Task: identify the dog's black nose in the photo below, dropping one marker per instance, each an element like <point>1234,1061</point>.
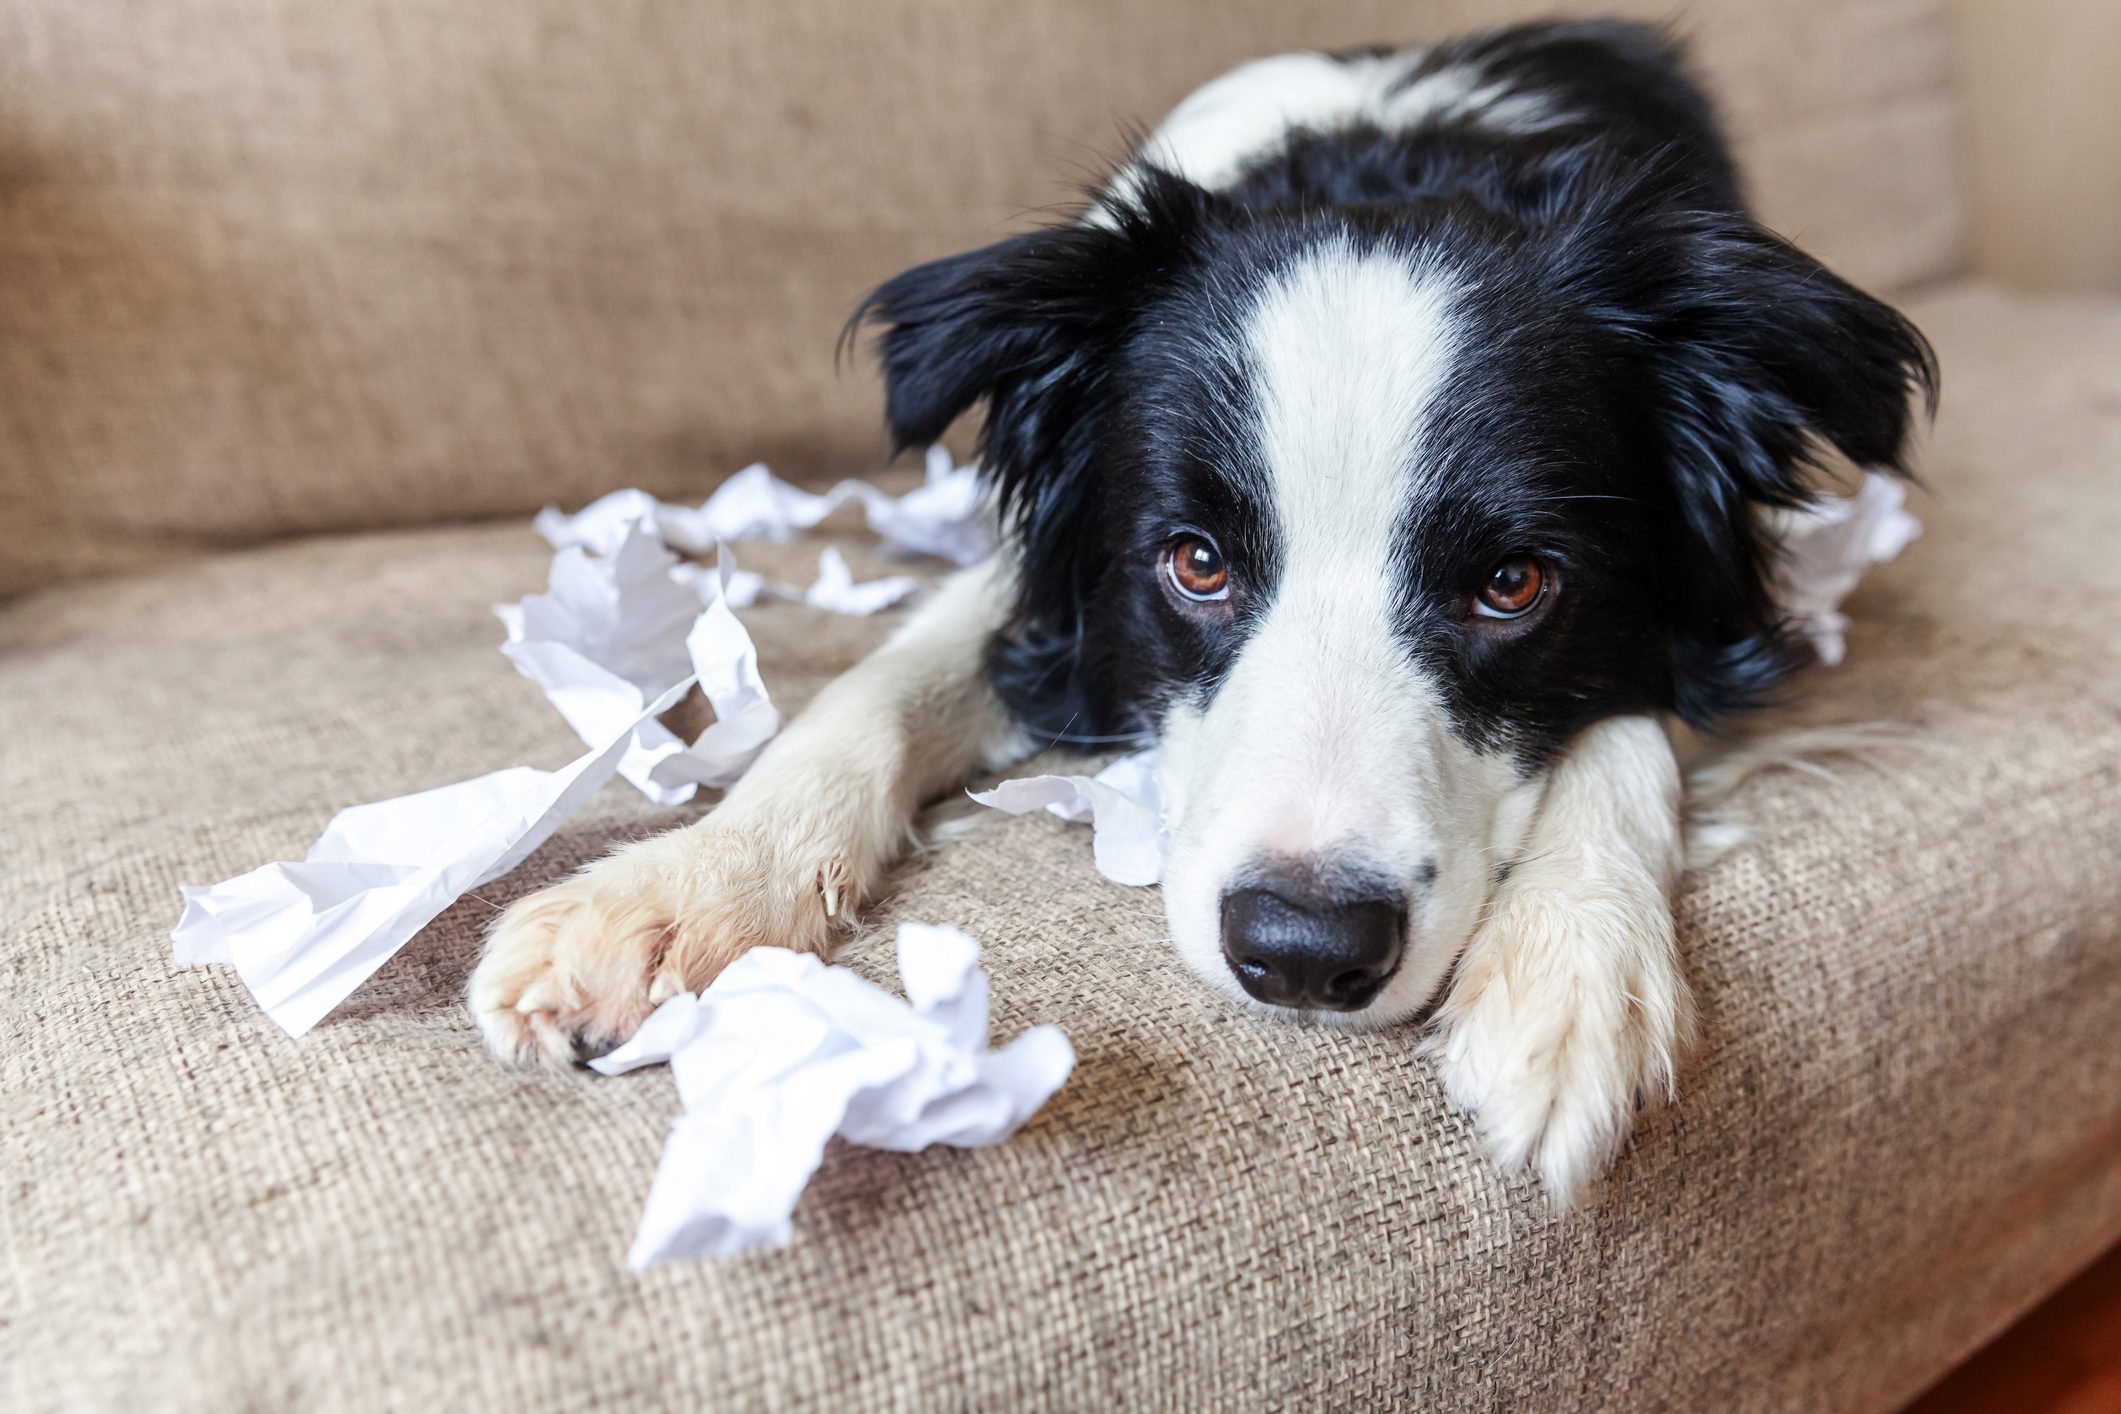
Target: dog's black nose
<point>1330,955</point>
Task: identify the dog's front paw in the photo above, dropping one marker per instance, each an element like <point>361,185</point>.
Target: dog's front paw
<point>1566,1017</point>
<point>572,970</point>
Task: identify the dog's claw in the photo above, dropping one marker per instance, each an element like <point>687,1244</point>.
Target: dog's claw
<point>835,886</point>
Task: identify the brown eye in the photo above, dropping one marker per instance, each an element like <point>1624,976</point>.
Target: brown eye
<point>1513,588</point>
<point>1196,569</point>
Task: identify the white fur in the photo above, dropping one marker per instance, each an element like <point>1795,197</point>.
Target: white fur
<point>1715,769</point>
<point>1223,126</point>
<point>1569,1009</point>
<point>1289,759</point>
<point>1230,120</point>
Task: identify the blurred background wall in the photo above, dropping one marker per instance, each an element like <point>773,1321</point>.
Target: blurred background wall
<point>2043,143</point>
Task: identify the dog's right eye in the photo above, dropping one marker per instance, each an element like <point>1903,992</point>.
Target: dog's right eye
<point>1196,570</point>
<point>1514,588</point>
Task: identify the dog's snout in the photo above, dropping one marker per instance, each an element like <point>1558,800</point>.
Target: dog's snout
<point>1300,951</point>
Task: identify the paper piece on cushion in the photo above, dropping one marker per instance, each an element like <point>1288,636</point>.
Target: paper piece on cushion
<point>303,935</point>
<point>782,1052</point>
<point>599,526</point>
<point>1827,547</point>
<point>837,590</point>
<point>1121,804</point>
<point>945,515</point>
<point>614,630</point>
<point>748,587</point>
<point>623,612</point>
<point>726,663</point>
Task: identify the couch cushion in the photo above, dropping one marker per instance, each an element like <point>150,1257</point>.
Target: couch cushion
<point>304,267</point>
<point>1903,1126</point>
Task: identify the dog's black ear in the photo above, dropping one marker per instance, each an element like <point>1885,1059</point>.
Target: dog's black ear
<point>1757,357</point>
<point>956,329</point>
<point>1021,324</point>
<point>1030,327</point>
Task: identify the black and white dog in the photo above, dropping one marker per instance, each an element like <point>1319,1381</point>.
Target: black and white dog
<point>1389,441</point>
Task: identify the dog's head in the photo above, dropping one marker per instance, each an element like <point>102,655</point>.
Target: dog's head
<point>1365,514</point>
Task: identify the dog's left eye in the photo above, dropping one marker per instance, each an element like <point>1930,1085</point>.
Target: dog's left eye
<point>1196,569</point>
<point>1513,589</point>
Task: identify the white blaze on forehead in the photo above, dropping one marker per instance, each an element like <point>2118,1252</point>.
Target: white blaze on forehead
<point>1347,350</point>
<point>1326,741</point>
<point>1322,727</point>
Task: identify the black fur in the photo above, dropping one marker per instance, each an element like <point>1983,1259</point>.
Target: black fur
<point>1643,368</point>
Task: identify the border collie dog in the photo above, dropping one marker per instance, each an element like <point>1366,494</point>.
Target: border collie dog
<point>1388,440</point>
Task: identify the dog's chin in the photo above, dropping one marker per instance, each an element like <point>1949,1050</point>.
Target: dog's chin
<point>1405,1000</point>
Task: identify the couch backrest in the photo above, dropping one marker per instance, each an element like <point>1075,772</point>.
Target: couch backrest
<point>2043,125</point>
<point>270,268</point>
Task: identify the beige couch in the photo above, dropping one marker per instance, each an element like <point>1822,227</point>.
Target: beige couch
<point>304,307</point>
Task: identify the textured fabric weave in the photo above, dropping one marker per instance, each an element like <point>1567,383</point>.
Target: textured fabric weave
<point>296,267</point>
<point>1903,1127</point>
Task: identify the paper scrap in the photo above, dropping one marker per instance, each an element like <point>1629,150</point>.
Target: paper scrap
<point>1827,547</point>
<point>944,516</point>
<point>617,639</point>
<point>1121,804</point>
<point>303,935</point>
<point>614,630</point>
<point>835,589</point>
<point>782,1052</point>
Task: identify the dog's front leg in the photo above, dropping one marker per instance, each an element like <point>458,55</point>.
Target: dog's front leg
<point>786,858</point>
<point>1569,1008</point>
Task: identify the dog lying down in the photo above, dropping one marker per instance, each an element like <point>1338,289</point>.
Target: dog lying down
<point>1390,440</point>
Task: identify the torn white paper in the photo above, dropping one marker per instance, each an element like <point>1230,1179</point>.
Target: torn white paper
<point>1827,547</point>
<point>624,614</point>
<point>304,935</point>
<point>835,589</point>
<point>1121,804</point>
<point>616,640</point>
<point>783,1051</point>
<point>614,630</point>
<point>943,516</point>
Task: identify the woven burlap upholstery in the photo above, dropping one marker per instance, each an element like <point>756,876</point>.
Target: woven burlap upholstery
<point>293,267</point>
<point>1903,1126</point>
